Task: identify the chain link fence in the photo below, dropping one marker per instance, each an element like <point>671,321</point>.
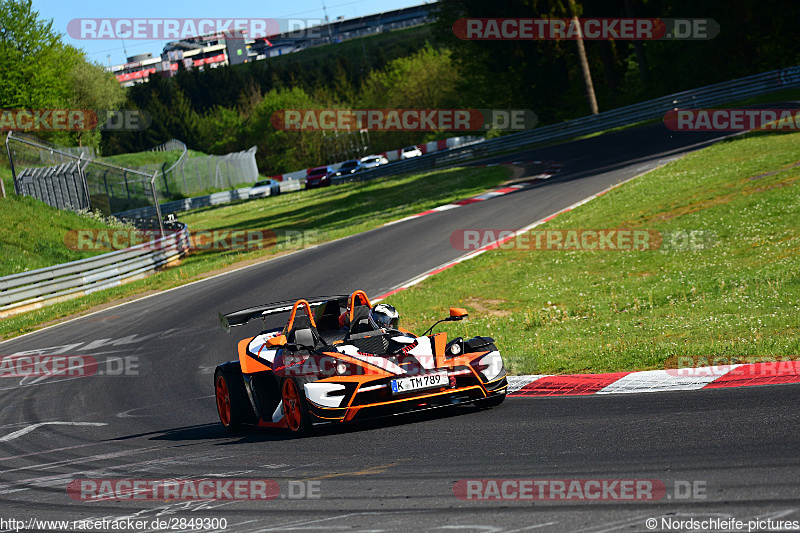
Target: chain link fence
<point>193,176</point>
<point>67,179</point>
<point>74,179</point>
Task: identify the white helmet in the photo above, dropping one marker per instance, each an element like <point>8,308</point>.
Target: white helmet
<point>384,316</point>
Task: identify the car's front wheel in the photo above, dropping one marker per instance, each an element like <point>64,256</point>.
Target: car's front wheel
<point>295,408</point>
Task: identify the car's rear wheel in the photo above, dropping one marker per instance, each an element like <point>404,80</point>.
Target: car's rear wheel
<point>232,404</point>
<point>295,408</point>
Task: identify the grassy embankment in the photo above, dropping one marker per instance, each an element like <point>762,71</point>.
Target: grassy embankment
<point>320,214</point>
<point>736,298</point>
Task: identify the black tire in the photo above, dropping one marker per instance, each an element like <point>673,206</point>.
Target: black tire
<point>233,406</point>
<point>295,407</point>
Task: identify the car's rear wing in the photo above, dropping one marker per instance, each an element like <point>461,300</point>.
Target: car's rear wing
<point>240,318</point>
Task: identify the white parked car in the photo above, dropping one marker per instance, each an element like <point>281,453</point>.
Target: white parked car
<point>372,161</point>
<point>410,151</point>
<point>264,188</point>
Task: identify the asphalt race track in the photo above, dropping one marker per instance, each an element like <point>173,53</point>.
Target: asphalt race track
<point>736,449</point>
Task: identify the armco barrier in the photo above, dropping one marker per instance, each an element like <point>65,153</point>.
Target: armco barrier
<point>455,150</point>
<point>216,198</point>
<point>45,286</point>
<point>711,95</point>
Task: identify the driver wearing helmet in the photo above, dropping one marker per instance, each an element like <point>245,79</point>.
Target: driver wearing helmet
<point>384,316</point>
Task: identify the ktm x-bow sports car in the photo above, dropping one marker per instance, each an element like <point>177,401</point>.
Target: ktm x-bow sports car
<point>315,370</point>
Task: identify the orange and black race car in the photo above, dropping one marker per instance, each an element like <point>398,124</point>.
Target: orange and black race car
<point>338,360</point>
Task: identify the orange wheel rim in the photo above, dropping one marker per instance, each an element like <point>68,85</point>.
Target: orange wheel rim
<point>291,404</point>
<point>223,402</point>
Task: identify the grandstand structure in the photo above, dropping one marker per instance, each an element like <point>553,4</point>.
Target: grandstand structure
<point>219,49</point>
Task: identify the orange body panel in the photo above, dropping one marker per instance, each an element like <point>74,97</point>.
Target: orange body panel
<point>249,364</point>
<point>439,343</point>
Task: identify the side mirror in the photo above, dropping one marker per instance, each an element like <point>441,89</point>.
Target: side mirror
<point>457,313</point>
<point>276,342</point>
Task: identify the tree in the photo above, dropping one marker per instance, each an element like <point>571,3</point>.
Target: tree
<point>38,71</point>
<point>278,150</point>
<point>34,63</point>
<point>92,87</point>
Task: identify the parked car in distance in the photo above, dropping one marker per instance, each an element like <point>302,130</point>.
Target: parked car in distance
<point>319,177</point>
<point>349,167</point>
<point>409,152</point>
<point>264,188</point>
<point>372,161</point>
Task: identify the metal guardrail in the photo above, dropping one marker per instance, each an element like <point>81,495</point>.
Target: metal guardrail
<point>430,161</point>
<point>34,289</point>
<point>45,286</point>
<point>291,185</point>
<point>217,198</point>
<point>707,96</point>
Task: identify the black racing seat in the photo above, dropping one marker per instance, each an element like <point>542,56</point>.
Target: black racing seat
<point>327,316</point>
<point>305,337</point>
<point>360,322</point>
<point>305,334</point>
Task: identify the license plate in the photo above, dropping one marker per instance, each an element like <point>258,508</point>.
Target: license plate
<point>415,383</point>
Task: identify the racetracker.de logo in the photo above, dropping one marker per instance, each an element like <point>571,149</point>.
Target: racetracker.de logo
<point>733,119</point>
<point>403,119</point>
<point>104,240</point>
<point>559,489</point>
<point>736,366</point>
<point>48,119</point>
<point>590,29</point>
<point>170,28</point>
<point>172,489</point>
<point>73,120</point>
<point>557,239</point>
<point>28,366</point>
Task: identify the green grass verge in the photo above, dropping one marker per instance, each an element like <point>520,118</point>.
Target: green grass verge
<point>327,214</point>
<point>737,298</point>
<point>32,232</point>
<point>334,212</point>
